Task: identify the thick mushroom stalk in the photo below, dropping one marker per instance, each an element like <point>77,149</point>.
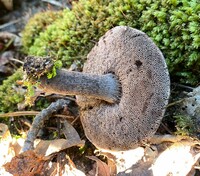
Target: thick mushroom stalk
<point>104,87</point>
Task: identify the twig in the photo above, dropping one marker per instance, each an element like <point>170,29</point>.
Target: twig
<point>59,154</point>
<point>39,120</point>
<point>56,3</point>
<point>10,23</point>
<point>175,102</point>
<point>57,96</point>
<point>158,139</point>
<point>197,167</point>
<point>16,60</point>
<point>26,122</point>
<point>31,113</point>
<point>75,120</point>
<point>166,128</point>
<point>183,86</point>
<point>64,116</point>
<point>8,44</point>
<point>20,113</point>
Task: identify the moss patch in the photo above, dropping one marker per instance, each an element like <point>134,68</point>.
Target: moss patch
<point>172,24</point>
<point>9,96</point>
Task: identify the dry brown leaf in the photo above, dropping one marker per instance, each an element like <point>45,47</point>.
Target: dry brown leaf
<point>4,132</point>
<point>112,166</point>
<point>102,169</point>
<point>9,146</point>
<point>158,139</point>
<point>8,4</point>
<point>8,38</point>
<point>5,69</point>
<point>178,159</point>
<point>124,159</point>
<point>5,57</point>
<point>47,148</point>
<point>27,163</point>
<point>17,145</point>
<point>6,153</point>
<point>71,134</point>
<point>111,161</point>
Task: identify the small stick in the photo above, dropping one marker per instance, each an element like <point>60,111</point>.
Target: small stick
<point>175,102</point>
<point>157,139</point>
<point>19,113</point>
<point>183,86</point>
<point>31,113</point>
<point>10,23</point>
<point>39,120</point>
<point>16,60</point>
<point>53,3</point>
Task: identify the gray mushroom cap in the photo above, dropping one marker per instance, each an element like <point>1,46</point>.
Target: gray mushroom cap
<point>141,70</point>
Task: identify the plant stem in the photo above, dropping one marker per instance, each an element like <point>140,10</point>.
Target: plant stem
<point>105,87</point>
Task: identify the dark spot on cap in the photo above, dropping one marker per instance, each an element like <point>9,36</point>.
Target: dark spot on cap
<point>129,71</point>
<point>138,63</point>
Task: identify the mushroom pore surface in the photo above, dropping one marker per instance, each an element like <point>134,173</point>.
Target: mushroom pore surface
<point>140,68</point>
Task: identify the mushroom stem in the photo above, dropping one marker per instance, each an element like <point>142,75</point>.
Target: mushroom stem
<point>105,87</point>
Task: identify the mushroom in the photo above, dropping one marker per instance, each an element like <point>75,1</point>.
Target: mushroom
<point>122,91</point>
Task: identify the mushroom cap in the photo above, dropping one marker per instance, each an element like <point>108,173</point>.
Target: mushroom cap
<point>141,70</point>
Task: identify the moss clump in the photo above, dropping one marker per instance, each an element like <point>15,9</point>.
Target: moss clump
<point>57,65</point>
<point>185,125</point>
<point>9,97</point>
<point>36,25</point>
<point>70,38</point>
<point>172,24</point>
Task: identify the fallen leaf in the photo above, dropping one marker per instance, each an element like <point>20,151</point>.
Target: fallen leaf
<point>5,70</point>
<point>6,153</point>
<point>8,4</point>
<point>27,163</point>
<point>9,146</point>
<point>124,159</point>
<point>4,132</point>
<point>157,139</point>
<point>5,57</point>
<point>112,166</point>
<point>47,148</point>
<point>7,36</point>
<point>71,171</point>
<point>178,159</point>
<point>102,169</point>
<point>70,133</point>
<point>3,172</point>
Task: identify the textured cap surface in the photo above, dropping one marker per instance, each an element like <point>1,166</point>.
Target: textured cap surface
<point>145,87</point>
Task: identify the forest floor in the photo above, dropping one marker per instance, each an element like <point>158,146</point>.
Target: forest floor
<point>53,154</point>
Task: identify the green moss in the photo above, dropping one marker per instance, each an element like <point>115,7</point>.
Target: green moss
<point>172,24</point>
<point>9,97</point>
<point>57,65</point>
<point>36,25</point>
<point>185,125</point>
